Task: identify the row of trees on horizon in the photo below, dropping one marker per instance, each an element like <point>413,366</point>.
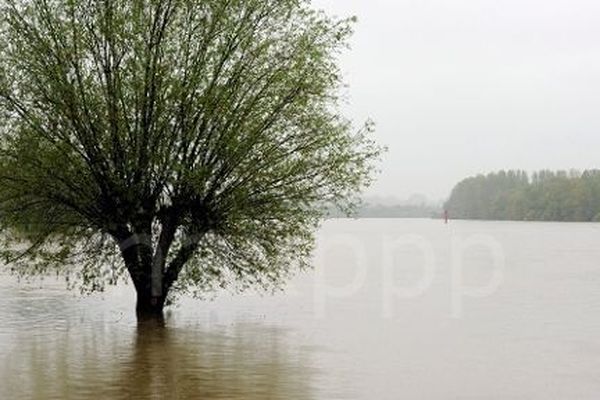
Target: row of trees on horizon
<point>515,195</point>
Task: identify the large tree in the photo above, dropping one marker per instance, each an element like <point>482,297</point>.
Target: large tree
<point>191,143</point>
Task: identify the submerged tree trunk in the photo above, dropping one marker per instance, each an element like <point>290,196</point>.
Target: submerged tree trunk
<point>148,306</point>
<point>136,251</point>
<point>147,266</point>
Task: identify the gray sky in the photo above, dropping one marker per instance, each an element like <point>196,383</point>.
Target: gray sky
<point>459,87</point>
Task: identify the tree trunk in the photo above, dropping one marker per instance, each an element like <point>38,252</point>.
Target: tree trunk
<point>142,270</point>
<point>148,306</point>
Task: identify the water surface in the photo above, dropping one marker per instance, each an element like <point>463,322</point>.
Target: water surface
<point>394,309</point>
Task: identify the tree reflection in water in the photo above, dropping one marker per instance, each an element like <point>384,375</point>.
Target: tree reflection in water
<point>241,361</point>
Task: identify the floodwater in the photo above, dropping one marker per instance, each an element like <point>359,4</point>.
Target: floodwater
<point>395,309</point>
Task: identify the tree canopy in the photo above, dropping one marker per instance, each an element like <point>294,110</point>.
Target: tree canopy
<point>190,143</point>
<point>513,195</point>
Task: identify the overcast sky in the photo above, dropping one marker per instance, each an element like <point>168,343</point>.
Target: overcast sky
<point>459,87</point>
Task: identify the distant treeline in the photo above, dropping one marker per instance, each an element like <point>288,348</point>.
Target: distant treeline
<point>514,195</point>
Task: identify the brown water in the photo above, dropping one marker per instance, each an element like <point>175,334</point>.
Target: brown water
<point>395,309</point>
